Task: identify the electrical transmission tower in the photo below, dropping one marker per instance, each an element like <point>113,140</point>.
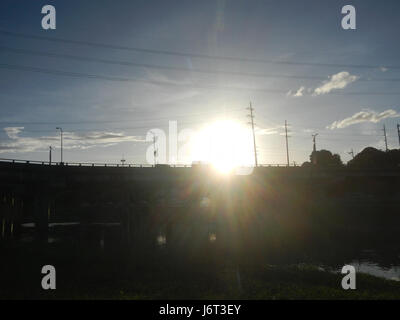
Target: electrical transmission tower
<point>314,157</point>
<point>384,134</point>
<point>314,143</point>
<point>398,132</point>
<point>251,116</point>
<point>287,144</point>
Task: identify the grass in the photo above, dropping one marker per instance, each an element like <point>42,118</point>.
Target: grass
<point>87,276</point>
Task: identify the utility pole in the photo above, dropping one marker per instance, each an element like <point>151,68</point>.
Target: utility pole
<point>314,160</point>
<point>314,144</point>
<point>155,150</point>
<point>251,116</point>
<point>123,160</point>
<point>398,132</point>
<point>61,131</point>
<point>351,153</point>
<point>384,133</point>
<point>287,145</point>
<point>50,149</point>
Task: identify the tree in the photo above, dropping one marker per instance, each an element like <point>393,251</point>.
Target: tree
<point>374,158</point>
<point>325,158</point>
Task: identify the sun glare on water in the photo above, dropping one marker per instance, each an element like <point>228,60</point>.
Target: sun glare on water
<point>224,144</point>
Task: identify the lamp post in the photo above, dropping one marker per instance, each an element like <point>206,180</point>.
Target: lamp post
<point>50,149</point>
<point>61,132</point>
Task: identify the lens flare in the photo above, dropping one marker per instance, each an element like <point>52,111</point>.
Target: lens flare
<point>225,144</point>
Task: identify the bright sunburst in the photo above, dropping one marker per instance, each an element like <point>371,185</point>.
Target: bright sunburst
<point>225,144</point>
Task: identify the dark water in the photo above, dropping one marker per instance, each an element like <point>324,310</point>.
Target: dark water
<point>369,261</point>
<point>378,264</point>
<point>373,268</point>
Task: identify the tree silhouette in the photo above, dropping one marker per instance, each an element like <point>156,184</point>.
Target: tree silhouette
<point>323,158</point>
<point>374,158</point>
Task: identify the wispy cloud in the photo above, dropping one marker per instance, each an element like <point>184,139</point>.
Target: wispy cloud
<point>12,132</point>
<point>337,81</point>
<point>72,140</point>
<point>268,131</point>
<point>298,93</point>
<point>364,116</point>
<point>161,89</point>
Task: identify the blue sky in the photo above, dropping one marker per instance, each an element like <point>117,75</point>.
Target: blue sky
<point>310,72</point>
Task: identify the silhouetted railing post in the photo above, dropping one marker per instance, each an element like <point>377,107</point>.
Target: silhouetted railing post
<point>40,208</point>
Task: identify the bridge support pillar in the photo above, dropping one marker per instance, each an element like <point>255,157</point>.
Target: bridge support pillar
<point>9,218</point>
<point>41,218</point>
<point>3,209</point>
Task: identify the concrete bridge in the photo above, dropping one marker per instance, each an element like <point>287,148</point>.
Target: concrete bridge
<point>145,199</point>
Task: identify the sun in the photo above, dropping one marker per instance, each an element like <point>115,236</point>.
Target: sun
<point>225,144</point>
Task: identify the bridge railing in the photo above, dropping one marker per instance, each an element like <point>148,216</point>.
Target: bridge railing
<point>118,165</point>
<point>76,164</point>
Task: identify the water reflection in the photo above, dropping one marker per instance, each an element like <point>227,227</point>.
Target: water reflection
<point>161,240</point>
<point>213,237</point>
<point>373,268</point>
<point>380,262</point>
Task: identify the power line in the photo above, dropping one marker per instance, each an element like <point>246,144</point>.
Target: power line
<point>119,79</point>
<point>121,128</point>
<point>170,68</point>
<point>251,116</point>
<point>190,115</point>
<point>348,137</point>
<point>152,66</point>
<point>187,54</point>
<point>163,83</point>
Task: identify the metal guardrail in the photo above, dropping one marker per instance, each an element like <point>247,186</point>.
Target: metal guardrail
<point>75,164</point>
<point>117,165</point>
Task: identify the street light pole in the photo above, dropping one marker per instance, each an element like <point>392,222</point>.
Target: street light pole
<point>50,149</point>
<point>61,131</point>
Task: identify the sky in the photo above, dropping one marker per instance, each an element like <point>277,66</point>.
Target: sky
<point>112,71</point>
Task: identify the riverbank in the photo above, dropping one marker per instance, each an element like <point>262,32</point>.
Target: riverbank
<point>104,278</point>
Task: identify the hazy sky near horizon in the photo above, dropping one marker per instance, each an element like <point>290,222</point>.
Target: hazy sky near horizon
<point>343,84</point>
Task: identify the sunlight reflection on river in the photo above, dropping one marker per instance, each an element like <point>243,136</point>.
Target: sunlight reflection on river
<point>368,261</point>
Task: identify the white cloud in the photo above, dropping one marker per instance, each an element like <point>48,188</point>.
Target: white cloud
<point>268,131</point>
<point>364,116</point>
<point>71,140</point>
<point>337,81</point>
<point>12,132</point>
<point>298,93</point>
